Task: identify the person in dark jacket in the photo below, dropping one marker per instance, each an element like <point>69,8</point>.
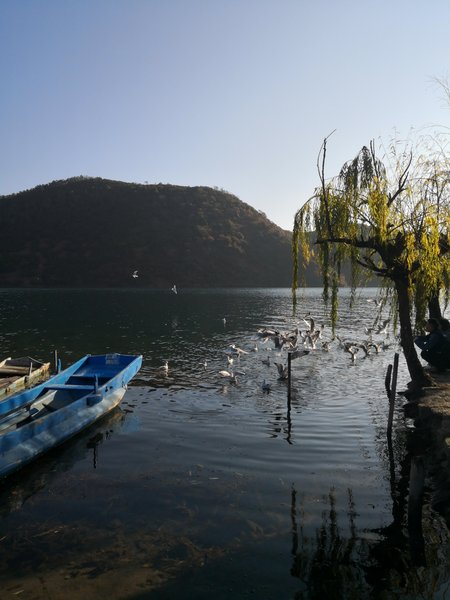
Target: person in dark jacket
<point>435,348</point>
<point>445,328</point>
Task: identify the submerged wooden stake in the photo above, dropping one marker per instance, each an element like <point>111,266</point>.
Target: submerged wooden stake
<point>387,380</point>
<point>393,393</point>
<point>289,378</point>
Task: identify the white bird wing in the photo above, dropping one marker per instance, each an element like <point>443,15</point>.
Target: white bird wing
<point>279,367</point>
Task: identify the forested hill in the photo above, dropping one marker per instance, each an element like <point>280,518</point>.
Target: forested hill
<point>93,232</point>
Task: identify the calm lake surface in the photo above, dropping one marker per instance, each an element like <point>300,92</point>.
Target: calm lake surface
<point>200,488</point>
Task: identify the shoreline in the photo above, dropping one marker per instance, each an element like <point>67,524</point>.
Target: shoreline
<point>431,416</point>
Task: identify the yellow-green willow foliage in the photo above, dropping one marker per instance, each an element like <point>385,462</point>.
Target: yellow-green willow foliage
<point>394,225</point>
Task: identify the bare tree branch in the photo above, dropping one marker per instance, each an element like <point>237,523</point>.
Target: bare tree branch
<point>321,170</point>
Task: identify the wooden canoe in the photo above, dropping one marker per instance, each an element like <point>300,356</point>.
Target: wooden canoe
<point>20,373</point>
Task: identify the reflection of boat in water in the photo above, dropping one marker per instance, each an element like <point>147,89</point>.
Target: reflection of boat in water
<point>36,420</point>
<point>18,487</point>
<point>19,373</point>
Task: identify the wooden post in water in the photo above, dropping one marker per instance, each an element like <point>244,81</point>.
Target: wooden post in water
<point>393,393</point>
<point>387,381</point>
<point>289,379</point>
<point>55,358</point>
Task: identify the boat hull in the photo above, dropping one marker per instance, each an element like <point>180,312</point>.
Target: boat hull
<point>59,409</point>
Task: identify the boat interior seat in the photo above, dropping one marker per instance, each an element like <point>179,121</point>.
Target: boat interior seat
<point>70,386</point>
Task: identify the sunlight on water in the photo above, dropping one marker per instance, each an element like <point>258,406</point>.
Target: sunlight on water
<point>198,487</point>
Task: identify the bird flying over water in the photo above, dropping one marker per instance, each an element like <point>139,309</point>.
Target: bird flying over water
<point>353,350</point>
<point>174,289</point>
<point>236,351</point>
<point>135,274</point>
<point>383,327</point>
<point>376,300</point>
<point>283,371</point>
<point>309,322</point>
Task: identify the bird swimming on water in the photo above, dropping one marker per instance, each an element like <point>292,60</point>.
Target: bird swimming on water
<point>266,387</point>
<point>230,375</point>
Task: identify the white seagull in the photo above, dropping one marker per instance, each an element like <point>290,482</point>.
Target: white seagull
<point>383,328</point>
<point>165,366</point>
<point>230,375</point>
<point>282,371</point>
<point>135,274</point>
<point>174,289</point>
<point>353,350</point>
<point>237,351</point>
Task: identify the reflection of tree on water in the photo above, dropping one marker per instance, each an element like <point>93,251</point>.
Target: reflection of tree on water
<point>20,486</point>
<point>414,551</point>
<point>333,563</point>
<point>328,564</point>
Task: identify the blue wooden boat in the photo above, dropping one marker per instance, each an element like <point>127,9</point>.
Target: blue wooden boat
<point>35,420</point>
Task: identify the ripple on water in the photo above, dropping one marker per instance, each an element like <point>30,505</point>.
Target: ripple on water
<point>207,488</point>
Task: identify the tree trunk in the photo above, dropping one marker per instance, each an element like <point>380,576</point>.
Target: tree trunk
<point>419,378</point>
<point>434,308</point>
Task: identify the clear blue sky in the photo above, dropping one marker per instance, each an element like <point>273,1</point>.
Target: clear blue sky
<point>237,94</point>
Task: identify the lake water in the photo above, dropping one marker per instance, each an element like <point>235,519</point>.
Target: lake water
<point>200,488</point>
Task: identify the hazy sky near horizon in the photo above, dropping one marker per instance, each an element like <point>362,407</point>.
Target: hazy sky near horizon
<point>237,94</point>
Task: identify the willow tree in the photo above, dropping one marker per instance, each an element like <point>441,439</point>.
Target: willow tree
<point>388,221</point>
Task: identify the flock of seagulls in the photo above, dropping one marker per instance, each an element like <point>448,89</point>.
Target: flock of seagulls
<point>298,342</point>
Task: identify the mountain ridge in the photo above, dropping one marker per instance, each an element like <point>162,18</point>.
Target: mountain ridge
<point>94,232</point>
